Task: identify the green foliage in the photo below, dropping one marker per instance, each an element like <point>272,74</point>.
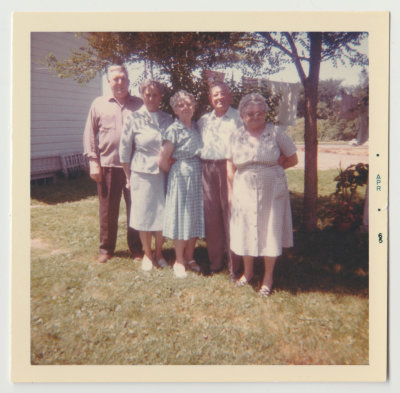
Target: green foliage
<point>176,56</point>
<point>347,183</point>
<point>330,130</point>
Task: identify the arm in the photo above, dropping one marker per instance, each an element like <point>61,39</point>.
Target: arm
<point>288,162</point>
<point>95,170</point>
<point>288,157</point>
<point>164,160</point>
<point>127,169</point>
<point>90,149</point>
<point>126,149</point>
<point>230,172</point>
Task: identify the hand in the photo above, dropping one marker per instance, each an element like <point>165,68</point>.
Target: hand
<point>281,161</point>
<point>95,171</point>
<point>96,177</point>
<point>128,184</point>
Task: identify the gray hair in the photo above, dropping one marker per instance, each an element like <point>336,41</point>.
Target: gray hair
<point>180,94</point>
<point>252,98</point>
<point>117,67</point>
<point>220,84</point>
<point>151,83</point>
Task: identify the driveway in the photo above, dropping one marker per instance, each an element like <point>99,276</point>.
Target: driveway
<point>332,156</point>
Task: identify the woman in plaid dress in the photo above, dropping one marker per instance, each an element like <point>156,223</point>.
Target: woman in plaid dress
<point>261,219</point>
<point>183,215</point>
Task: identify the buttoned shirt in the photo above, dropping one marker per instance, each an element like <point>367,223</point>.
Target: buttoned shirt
<point>216,133</point>
<point>142,133</point>
<point>246,149</point>
<point>102,134</point>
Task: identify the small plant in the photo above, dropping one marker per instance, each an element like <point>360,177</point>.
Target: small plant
<point>348,181</point>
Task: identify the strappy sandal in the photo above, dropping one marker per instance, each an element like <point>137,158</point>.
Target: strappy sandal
<point>242,282</point>
<point>265,291</point>
<point>193,266</point>
<point>162,263</point>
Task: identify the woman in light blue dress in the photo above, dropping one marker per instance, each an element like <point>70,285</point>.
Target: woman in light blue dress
<point>139,152</point>
<point>183,216</point>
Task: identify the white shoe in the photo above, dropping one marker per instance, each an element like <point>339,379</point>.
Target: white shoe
<point>179,270</point>
<point>162,263</point>
<point>147,264</point>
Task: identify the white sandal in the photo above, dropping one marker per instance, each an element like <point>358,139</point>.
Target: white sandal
<point>241,282</point>
<point>265,291</point>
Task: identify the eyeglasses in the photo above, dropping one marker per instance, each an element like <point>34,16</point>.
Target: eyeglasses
<point>254,114</point>
<point>185,104</point>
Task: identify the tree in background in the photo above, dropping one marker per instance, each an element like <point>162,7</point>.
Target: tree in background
<point>175,58</point>
<point>310,49</point>
<point>178,59</point>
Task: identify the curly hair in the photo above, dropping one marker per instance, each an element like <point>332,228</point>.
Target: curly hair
<point>151,83</point>
<point>180,94</point>
<point>252,98</point>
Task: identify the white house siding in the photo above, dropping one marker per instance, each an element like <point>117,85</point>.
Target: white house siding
<point>59,107</point>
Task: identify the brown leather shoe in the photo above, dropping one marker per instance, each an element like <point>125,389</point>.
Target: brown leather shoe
<point>103,258</point>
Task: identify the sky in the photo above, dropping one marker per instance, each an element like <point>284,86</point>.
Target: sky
<point>349,75</point>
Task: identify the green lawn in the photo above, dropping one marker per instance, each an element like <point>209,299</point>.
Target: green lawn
<point>86,313</point>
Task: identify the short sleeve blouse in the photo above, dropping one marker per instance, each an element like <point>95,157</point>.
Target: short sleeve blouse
<point>187,143</point>
<point>266,149</point>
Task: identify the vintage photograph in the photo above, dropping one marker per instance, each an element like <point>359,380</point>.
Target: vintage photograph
<point>253,187</point>
<point>201,198</point>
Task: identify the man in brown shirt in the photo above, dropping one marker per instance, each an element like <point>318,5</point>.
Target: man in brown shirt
<point>101,145</point>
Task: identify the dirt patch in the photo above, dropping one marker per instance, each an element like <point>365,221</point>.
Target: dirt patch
<point>335,156</point>
<point>44,245</point>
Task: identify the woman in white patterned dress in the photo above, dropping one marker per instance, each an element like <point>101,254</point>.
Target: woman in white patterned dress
<point>184,216</point>
<point>139,151</point>
<point>261,219</point>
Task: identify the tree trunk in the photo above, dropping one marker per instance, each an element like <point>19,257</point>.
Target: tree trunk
<point>311,135</point>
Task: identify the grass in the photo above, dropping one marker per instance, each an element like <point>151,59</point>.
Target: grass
<point>86,313</point>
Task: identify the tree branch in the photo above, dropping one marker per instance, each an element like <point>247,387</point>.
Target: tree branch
<point>295,57</point>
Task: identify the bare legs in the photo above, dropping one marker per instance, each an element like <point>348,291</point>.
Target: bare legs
<point>146,237</point>
<point>248,264</point>
<point>269,265</point>
<point>184,250</point>
<point>159,243</point>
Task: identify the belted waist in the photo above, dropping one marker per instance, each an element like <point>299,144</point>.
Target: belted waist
<point>214,161</point>
<point>255,165</point>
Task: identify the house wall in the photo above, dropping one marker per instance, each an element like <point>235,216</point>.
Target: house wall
<point>59,107</point>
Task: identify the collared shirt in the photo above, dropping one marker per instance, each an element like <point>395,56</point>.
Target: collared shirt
<point>216,132</point>
<point>246,149</point>
<point>187,142</point>
<point>103,128</point>
<point>142,133</point>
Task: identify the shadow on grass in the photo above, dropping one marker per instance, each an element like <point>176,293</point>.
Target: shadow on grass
<point>324,261</point>
<point>64,190</point>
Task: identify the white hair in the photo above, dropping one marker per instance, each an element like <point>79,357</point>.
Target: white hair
<point>252,98</point>
<point>151,83</point>
<point>174,100</point>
